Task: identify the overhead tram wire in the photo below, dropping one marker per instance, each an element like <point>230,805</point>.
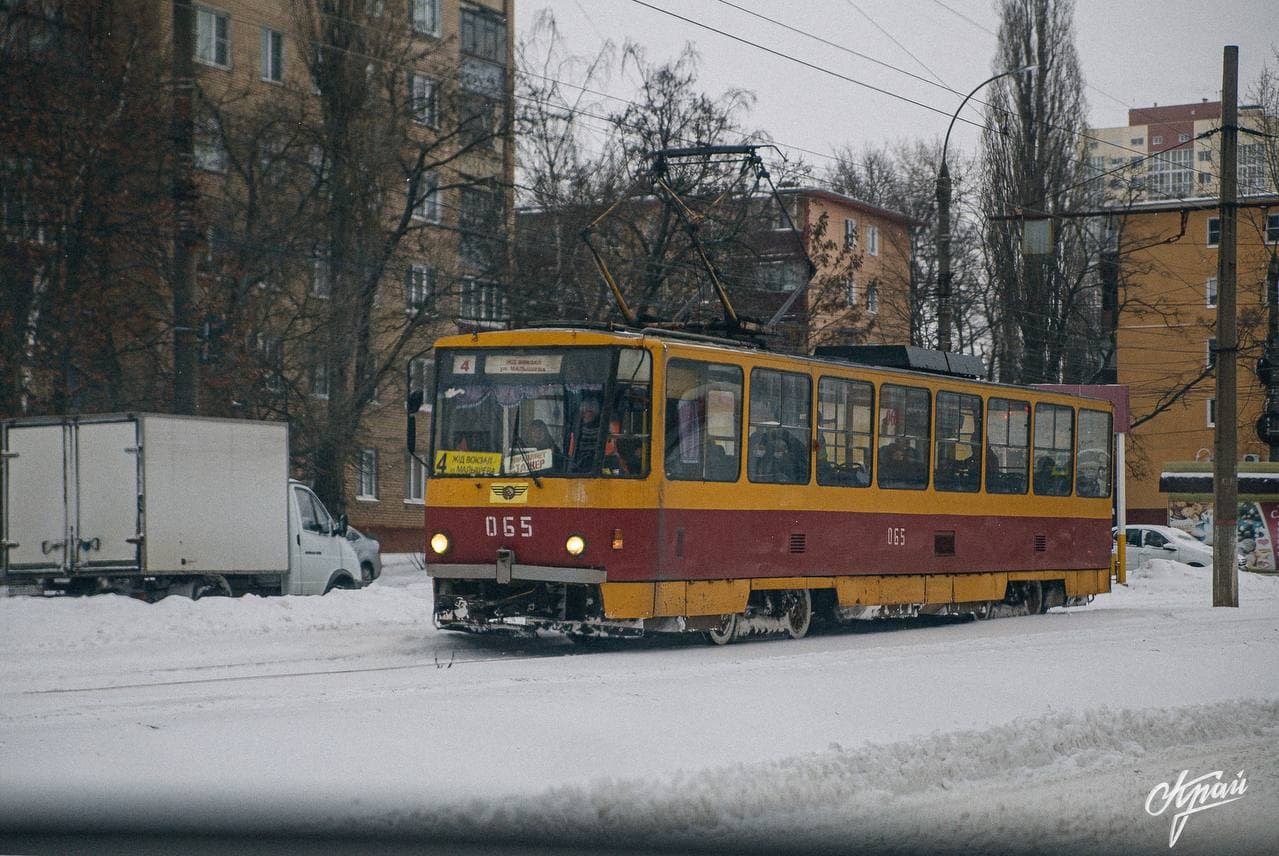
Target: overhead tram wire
<point>1083,135</point>
<point>1080,134</point>
<point>408,67</point>
<point>813,66</point>
<point>893,39</point>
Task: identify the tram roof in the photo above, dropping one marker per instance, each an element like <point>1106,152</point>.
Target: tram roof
<point>601,333</point>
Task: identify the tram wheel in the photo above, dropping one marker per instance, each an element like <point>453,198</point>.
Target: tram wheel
<point>1033,596</point>
<point>724,632</point>
<point>798,604</point>
<point>983,610</point>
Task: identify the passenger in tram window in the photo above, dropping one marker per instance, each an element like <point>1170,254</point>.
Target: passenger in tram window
<point>539,437</point>
<point>895,462</point>
<point>585,439</point>
<point>825,469</point>
<point>621,454</point>
<point>1044,480</point>
<point>720,465</point>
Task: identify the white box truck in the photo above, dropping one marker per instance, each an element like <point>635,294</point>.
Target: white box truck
<point>150,505</point>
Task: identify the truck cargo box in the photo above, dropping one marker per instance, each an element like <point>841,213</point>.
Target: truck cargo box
<point>144,494</point>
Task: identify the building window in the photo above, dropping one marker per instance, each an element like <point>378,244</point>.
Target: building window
<point>1157,140</point>
<point>321,276</point>
<point>1183,138</point>
<point>1137,141</point>
<point>480,120</point>
<point>319,377</point>
<point>1272,228</point>
<point>425,100</point>
<point>482,301</point>
<point>483,34</point>
<point>1212,412</point>
<point>1252,169</point>
<point>872,240</point>
<point>480,223</point>
<point>415,479</point>
<point>1214,231</point>
<point>850,233</point>
<point>782,276</point>
<point>1211,291</point>
<point>368,380</point>
<point>1170,173</point>
<point>850,292</point>
<point>209,153</point>
<point>270,355</point>
<point>426,207</point>
<point>272,55</point>
<point>212,37</point>
<point>872,298</point>
<point>419,287</point>
<point>422,376</point>
<point>1205,155</point>
<point>367,474</point>
<point>426,17</point>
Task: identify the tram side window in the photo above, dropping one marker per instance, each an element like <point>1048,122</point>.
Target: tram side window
<point>779,427</point>
<point>1007,445</point>
<point>1054,449</point>
<point>845,410</point>
<point>626,442</point>
<point>1093,468</point>
<point>958,466</point>
<point>903,437</point>
<point>703,421</point>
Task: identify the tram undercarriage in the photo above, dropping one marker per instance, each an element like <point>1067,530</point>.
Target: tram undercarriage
<point>577,610</point>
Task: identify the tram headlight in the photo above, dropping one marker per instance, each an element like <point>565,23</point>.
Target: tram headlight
<point>439,543</point>
<point>576,545</point>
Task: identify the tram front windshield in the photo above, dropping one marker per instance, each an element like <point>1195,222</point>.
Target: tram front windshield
<point>575,412</point>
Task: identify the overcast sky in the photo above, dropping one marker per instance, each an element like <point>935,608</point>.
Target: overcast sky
<point>1134,53</point>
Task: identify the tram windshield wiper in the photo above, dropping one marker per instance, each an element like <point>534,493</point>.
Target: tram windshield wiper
<point>517,446</point>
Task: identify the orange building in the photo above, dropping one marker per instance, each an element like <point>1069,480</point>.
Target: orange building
<point>1165,334</point>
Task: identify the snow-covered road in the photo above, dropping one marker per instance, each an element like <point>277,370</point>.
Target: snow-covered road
<point>351,713</point>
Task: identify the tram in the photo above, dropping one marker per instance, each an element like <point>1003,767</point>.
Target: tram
<point>618,482</point>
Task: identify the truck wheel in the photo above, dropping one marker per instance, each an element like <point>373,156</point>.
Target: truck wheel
<point>211,587</point>
<point>341,582</point>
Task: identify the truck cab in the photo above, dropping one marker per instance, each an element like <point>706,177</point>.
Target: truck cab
<point>320,556</point>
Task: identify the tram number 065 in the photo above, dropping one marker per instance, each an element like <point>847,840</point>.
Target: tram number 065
<point>508,526</point>
<point>896,536</point>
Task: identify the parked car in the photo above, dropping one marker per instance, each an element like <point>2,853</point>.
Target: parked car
<point>368,551</point>
<point>1164,542</point>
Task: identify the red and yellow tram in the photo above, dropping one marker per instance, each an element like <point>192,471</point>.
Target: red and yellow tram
<point>615,482</point>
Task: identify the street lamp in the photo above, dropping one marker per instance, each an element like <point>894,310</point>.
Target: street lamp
<point>943,218</point>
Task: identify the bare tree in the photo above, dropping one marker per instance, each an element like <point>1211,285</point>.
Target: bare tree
<point>650,218</point>
<point>1264,93</point>
<point>351,217</point>
<point>82,317</point>
<point>1045,305</point>
<point>567,174</point>
<point>902,178</point>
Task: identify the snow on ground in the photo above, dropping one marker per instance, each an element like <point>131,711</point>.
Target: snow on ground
<point>351,714</point>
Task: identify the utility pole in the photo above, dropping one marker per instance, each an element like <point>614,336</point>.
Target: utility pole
<point>182,275</point>
<point>1225,476</point>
